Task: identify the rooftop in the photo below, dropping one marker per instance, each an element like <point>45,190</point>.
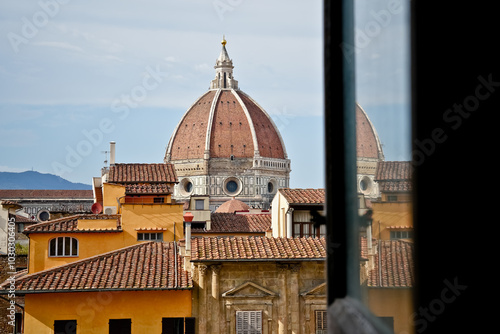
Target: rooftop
<point>303,196</point>
<point>70,224</point>
<point>223,222</point>
<point>257,249</point>
<point>142,173</point>
<point>144,266</point>
<point>20,194</point>
<point>396,268</point>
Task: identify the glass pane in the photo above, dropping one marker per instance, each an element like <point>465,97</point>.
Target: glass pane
<point>67,246</point>
<point>74,247</point>
<point>60,242</point>
<point>383,148</point>
<point>52,251</point>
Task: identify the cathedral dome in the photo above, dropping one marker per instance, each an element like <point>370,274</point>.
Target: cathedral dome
<point>225,123</point>
<point>226,145</point>
<point>367,141</point>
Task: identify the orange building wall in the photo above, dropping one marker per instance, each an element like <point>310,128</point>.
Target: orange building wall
<point>396,303</point>
<point>92,310</point>
<point>386,214</point>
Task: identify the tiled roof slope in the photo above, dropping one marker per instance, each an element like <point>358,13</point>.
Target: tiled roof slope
<point>303,196</point>
<point>236,223</point>
<point>257,249</point>
<point>393,176</point>
<point>232,206</point>
<point>148,188</point>
<point>396,269</point>
<point>49,194</point>
<point>143,266</point>
<point>70,224</point>
<point>142,173</point>
<point>21,219</point>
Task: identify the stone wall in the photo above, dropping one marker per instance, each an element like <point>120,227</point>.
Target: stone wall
<point>287,294</point>
<point>5,312</point>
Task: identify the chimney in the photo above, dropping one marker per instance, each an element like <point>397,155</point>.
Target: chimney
<point>111,153</point>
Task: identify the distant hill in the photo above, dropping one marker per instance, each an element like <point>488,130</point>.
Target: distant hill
<point>36,180</point>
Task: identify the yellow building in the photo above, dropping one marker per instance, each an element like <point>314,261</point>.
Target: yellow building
<point>114,272</point>
<point>390,282</point>
<point>392,212</point>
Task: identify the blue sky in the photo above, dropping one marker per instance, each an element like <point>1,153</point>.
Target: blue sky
<point>75,75</point>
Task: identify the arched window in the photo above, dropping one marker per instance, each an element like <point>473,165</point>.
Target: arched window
<point>63,246</point>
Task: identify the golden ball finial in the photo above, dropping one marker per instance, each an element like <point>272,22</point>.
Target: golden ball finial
<point>223,40</point>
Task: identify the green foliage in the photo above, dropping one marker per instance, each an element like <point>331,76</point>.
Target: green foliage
<point>22,250</point>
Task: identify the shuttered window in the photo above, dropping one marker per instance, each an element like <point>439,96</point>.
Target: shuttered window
<point>248,322</point>
<point>320,322</point>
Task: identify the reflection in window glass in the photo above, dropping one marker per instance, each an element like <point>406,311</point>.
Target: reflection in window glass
<point>383,143</point>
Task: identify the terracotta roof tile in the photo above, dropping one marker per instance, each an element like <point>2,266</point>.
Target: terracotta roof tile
<point>142,173</point>
<point>70,224</point>
<point>143,266</point>
<point>396,267</point>
<point>394,176</point>
<point>257,249</point>
<point>21,219</point>
<point>148,188</point>
<point>303,196</point>
<point>232,206</point>
<point>34,193</point>
<point>222,222</point>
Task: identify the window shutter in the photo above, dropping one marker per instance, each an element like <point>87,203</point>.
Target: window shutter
<point>190,326</point>
<point>249,322</point>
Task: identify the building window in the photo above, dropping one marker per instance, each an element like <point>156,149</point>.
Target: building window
<point>18,324</point>
<point>147,236</point>
<point>307,229</point>
<point>63,246</point>
<point>120,326</point>
<point>232,186</point>
<point>401,235</point>
<point>177,326</point>
<point>199,204</point>
<point>392,198</point>
<point>65,327</point>
<point>248,322</point>
<point>320,322</point>
<point>159,200</point>
<point>270,187</point>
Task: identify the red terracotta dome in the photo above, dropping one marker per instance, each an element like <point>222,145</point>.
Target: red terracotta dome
<point>367,140</point>
<point>225,123</point>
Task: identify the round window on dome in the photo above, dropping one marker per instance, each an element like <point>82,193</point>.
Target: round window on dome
<point>232,186</point>
<point>365,184</point>
<point>271,186</point>
<point>186,187</point>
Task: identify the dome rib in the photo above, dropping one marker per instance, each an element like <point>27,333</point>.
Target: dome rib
<point>250,123</point>
<point>210,123</point>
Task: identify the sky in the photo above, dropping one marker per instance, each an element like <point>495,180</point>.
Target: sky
<point>75,75</point>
